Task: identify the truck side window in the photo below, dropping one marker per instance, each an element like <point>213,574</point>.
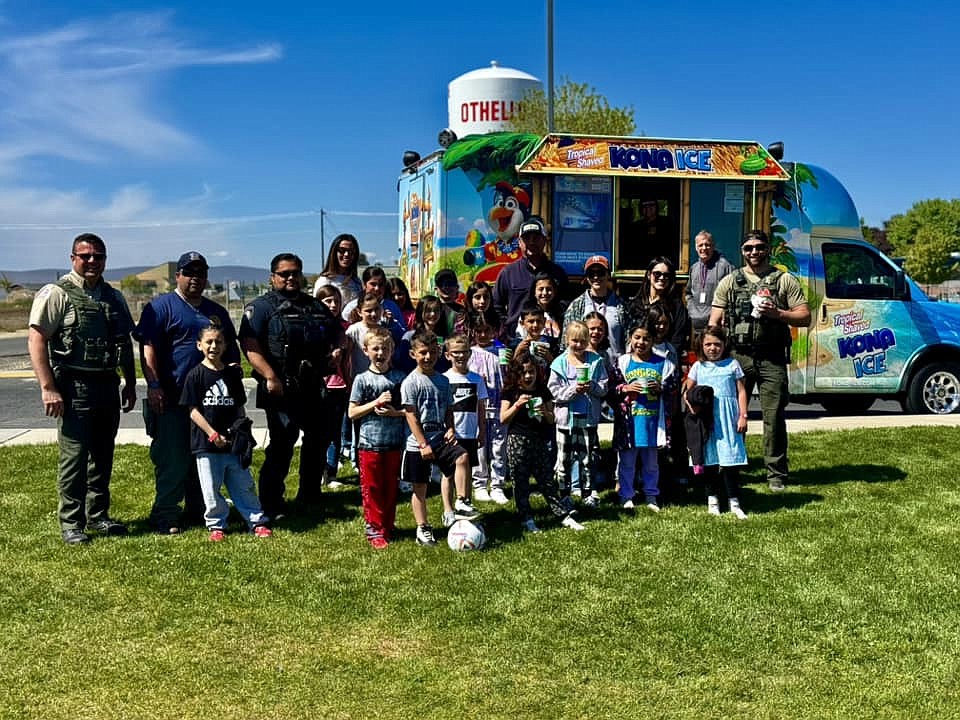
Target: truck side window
<point>856,273</point>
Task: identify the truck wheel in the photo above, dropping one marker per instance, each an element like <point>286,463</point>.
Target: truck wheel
<point>844,405</point>
<point>935,390</point>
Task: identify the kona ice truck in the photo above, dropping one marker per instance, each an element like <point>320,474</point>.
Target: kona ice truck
<point>873,332</point>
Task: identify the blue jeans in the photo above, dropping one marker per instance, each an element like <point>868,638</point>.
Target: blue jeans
<point>217,469</point>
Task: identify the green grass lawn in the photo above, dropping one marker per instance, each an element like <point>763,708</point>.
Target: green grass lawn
<point>837,599</point>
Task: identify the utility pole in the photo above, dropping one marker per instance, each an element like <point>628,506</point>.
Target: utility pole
<point>550,66</point>
<point>323,242</point>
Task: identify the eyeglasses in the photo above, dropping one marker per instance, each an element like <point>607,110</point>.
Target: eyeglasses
<point>658,275</point>
<point>87,257</point>
<point>193,272</point>
<point>287,274</point>
<point>753,249</point>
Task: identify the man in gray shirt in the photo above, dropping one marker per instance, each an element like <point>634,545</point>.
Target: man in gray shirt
<point>705,275</point>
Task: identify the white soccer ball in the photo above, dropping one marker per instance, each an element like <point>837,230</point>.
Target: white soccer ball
<point>464,535</point>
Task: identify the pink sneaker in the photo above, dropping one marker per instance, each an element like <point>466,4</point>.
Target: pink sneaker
<point>262,531</point>
<point>216,535</point>
<point>377,542</point>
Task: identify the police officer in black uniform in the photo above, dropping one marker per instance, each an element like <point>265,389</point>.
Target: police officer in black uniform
<point>79,337</point>
<point>290,339</point>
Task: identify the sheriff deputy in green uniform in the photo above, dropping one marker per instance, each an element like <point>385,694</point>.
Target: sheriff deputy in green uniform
<point>79,337</point>
<point>758,304</point>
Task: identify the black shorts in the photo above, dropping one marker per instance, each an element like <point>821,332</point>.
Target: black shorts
<point>415,469</point>
<point>470,446</point>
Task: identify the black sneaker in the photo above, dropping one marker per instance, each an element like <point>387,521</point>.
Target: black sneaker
<point>75,537</point>
<point>776,485</point>
<point>106,526</point>
<point>425,536</point>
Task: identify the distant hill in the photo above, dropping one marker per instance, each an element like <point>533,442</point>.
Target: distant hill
<point>218,275</point>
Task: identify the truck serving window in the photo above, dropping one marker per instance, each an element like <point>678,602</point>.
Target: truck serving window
<point>856,273</point>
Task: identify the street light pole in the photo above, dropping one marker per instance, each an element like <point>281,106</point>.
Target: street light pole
<point>549,66</point>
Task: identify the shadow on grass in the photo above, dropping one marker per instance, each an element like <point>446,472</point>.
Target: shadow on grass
<point>848,473</point>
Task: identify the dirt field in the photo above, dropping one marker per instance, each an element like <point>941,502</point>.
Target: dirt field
<point>14,315</point>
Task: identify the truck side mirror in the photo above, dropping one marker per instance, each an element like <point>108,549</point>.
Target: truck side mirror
<point>900,286</point>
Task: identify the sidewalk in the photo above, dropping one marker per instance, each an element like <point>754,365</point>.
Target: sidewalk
<point>136,436</point>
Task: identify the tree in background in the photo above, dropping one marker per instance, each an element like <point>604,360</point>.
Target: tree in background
<point>928,258</point>
<point>903,231</point>
<point>132,285</point>
<point>577,108</point>
<point>876,237</point>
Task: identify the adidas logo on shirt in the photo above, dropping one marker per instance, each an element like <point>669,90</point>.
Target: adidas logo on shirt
<point>218,394</point>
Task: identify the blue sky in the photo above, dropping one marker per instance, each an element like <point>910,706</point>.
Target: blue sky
<point>225,127</point>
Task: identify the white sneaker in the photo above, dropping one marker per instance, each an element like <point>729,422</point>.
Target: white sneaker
<point>498,497</point>
<point>405,487</point>
<point>713,505</point>
<point>481,495</point>
<point>627,505</point>
<point>463,509</point>
<point>569,522</point>
<point>448,518</point>
<point>530,526</point>
<point>576,493</point>
<point>737,511</point>
<point>591,501</point>
<point>652,506</point>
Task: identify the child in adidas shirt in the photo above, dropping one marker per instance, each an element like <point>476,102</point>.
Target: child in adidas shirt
<point>215,395</point>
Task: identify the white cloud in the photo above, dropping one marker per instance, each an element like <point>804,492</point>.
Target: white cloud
<point>88,92</point>
<point>84,91</point>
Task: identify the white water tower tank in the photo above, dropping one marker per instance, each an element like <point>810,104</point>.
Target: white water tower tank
<point>483,100</point>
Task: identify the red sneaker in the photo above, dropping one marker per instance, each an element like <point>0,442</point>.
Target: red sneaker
<point>378,543</point>
<point>262,531</point>
<point>216,535</point>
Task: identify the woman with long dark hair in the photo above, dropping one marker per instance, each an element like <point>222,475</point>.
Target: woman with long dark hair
<point>341,268</point>
<point>659,287</point>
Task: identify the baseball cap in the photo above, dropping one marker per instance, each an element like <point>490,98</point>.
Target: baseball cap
<point>192,258</point>
<point>597,260</point>
<point>532,225</point>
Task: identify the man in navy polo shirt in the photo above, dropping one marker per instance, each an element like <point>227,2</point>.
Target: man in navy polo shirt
<point>168,331</point>
<point>514,281</point>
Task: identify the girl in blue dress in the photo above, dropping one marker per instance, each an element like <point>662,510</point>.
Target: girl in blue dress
<point>723,447</point>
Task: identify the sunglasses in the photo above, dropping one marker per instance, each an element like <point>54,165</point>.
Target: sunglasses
<point>87,257</point>
<point>287,274</point>
<point>345,251</point>
<point>658,275</point>
<point>754,249</point>
<point>595,274</point>
<point>193,272</point>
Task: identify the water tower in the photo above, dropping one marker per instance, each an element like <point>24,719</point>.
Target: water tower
<point>484,100</point>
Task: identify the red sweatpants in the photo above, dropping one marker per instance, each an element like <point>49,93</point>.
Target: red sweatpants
<point>379,485</point>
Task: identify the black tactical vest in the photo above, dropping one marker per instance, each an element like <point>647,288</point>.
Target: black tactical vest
<point>300,336</point>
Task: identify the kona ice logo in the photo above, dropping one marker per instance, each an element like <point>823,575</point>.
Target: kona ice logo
<point>867,351</point>
<point>660,159</point>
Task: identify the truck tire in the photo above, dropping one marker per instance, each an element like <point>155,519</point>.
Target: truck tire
<point>845,405</point>
<point>935,389</point>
